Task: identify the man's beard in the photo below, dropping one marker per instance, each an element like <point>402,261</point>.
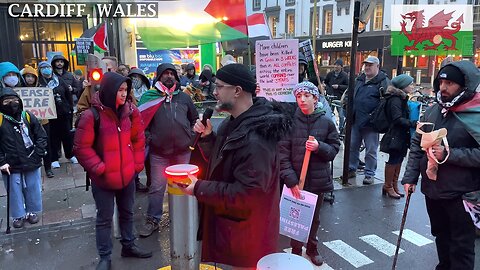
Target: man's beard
<point>168,83</point>
<point>224,107</point>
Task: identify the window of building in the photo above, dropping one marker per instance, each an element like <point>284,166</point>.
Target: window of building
<point>430,2</point>
<point>257,4</point>
<point>476,11</point>
<point>272,23</point>
<point>315,23</point>
<point>347,10</point>
<point>291,24</point>
<point>289,2</point>
<point>328,19</point>
<point>339,11</point>
<point>378,17</point>
<point>43,38</point>
<point>410,2</point>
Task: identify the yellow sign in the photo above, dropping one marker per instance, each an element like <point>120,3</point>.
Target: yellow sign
<point>202,267</point>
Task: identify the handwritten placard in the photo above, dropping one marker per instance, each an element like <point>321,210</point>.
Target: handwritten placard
<point>277,68</point>
<point>38,100</point>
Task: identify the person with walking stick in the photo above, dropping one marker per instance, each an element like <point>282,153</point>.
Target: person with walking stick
<point>450,165</point>
<point>24,143</point>
<point>309,119</point>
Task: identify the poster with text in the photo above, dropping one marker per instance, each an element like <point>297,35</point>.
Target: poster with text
<point>296,215</point>
<point>39,101</point>
<point>148,61</point>
<point>277,68</point>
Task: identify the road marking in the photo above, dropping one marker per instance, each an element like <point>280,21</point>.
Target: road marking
<point>414,238</point>
<point>348,253</point>
<point>380,244</point>
<point>324,266</point>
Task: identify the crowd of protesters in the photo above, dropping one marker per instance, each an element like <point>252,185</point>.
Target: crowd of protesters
<point>258,134</point>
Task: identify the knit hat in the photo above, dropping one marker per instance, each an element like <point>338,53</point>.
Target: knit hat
<point>338,62</point>
<point>238,75</point>
<point>78,72</point>
<point>402,81</point>
<point>44,64</point>
<point>451,73</point>
<point>306,86</point>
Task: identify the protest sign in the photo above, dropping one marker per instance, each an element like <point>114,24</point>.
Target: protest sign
<point>306,49</point>
<point>296,216</point>
<point>277,68</point>
<point>83,46</point>
<point>39,101</point>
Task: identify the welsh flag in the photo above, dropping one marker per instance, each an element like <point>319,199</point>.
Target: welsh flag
<point>432,30</point>
<point>185,23</point>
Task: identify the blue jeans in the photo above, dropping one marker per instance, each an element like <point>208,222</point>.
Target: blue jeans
<point>371,140</point>
<point>156,191</point>
<point>25,192</point>
<point>341,118</point>
<point>104,199</point>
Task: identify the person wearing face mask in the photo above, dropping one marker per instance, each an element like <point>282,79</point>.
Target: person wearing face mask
<point>23,145</point>
<point>10,75</point>
<point>140,84</point>
<point>169,115</point>
<point>30,76</point>
<point>61,126</point>
<point>457,109</point>
<point>112,157</point>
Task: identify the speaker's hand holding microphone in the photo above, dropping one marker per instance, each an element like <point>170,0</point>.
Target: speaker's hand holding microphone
<point>202,127</point>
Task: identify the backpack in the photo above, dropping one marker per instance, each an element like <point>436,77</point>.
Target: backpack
<point>378,118</point>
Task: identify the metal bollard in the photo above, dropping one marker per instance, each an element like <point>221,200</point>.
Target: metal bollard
<point>183,210</point>
<point>116,225</point>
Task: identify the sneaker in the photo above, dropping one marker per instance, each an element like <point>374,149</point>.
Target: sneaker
<point>148,228</point>
<point>32,218</point>
<point>50,174</point>
<point>361,165</point>
<point>368,180</point>
<point>73,160</point>
<point>55,165</point>
<point>18,222</point>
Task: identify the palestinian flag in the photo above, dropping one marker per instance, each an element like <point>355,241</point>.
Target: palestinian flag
<point>149,104</point>
<point>432,30</point>
<point>185,23</point>
<point>98,34</point>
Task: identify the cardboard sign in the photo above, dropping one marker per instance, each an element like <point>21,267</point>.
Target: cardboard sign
<point>39,101</point>
<point>277,68</point>
<point>296,216</point>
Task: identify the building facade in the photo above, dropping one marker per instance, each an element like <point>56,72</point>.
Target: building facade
<point>333,30</point>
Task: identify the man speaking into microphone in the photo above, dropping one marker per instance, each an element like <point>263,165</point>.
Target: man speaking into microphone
<point>240,195</point>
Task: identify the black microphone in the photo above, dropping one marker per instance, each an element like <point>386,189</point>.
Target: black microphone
<point>206,115</point>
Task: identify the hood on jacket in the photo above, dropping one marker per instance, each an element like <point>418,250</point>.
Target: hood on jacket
<point>206,75</point>
<point>392,90</point>
<point>29,70</point>
<point>109,87</point>
<point>162,67</point>
<point>470,72</point>
<point>268,119</point>
<point>9,92</point>
<point>7,67</point>
<point>142,75</point>
<point>66,64</point>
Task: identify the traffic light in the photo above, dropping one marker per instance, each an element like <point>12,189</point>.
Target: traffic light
<point>96,75</point>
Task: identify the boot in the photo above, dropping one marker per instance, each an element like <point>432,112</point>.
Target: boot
<point>398,167</point>
<point>387,188</point>
<point>315,257</point>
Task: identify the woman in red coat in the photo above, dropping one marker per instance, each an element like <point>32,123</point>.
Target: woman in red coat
<point>112,157</point>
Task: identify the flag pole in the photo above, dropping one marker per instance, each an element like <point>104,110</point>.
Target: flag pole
<point>248,38</point>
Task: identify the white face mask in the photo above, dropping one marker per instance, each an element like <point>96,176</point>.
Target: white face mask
<point>11,80</point>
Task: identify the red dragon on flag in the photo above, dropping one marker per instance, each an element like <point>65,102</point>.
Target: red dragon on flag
<point>435,33</point>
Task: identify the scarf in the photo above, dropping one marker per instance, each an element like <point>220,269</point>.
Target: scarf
<point>168,92</point>
<point>21,128</point>
<point>53,82</point>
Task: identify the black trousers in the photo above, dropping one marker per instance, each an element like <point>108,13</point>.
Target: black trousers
<point>60,131</point>
<point>47,160</point>
<point>312,237</point>
<point>454,234</point>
